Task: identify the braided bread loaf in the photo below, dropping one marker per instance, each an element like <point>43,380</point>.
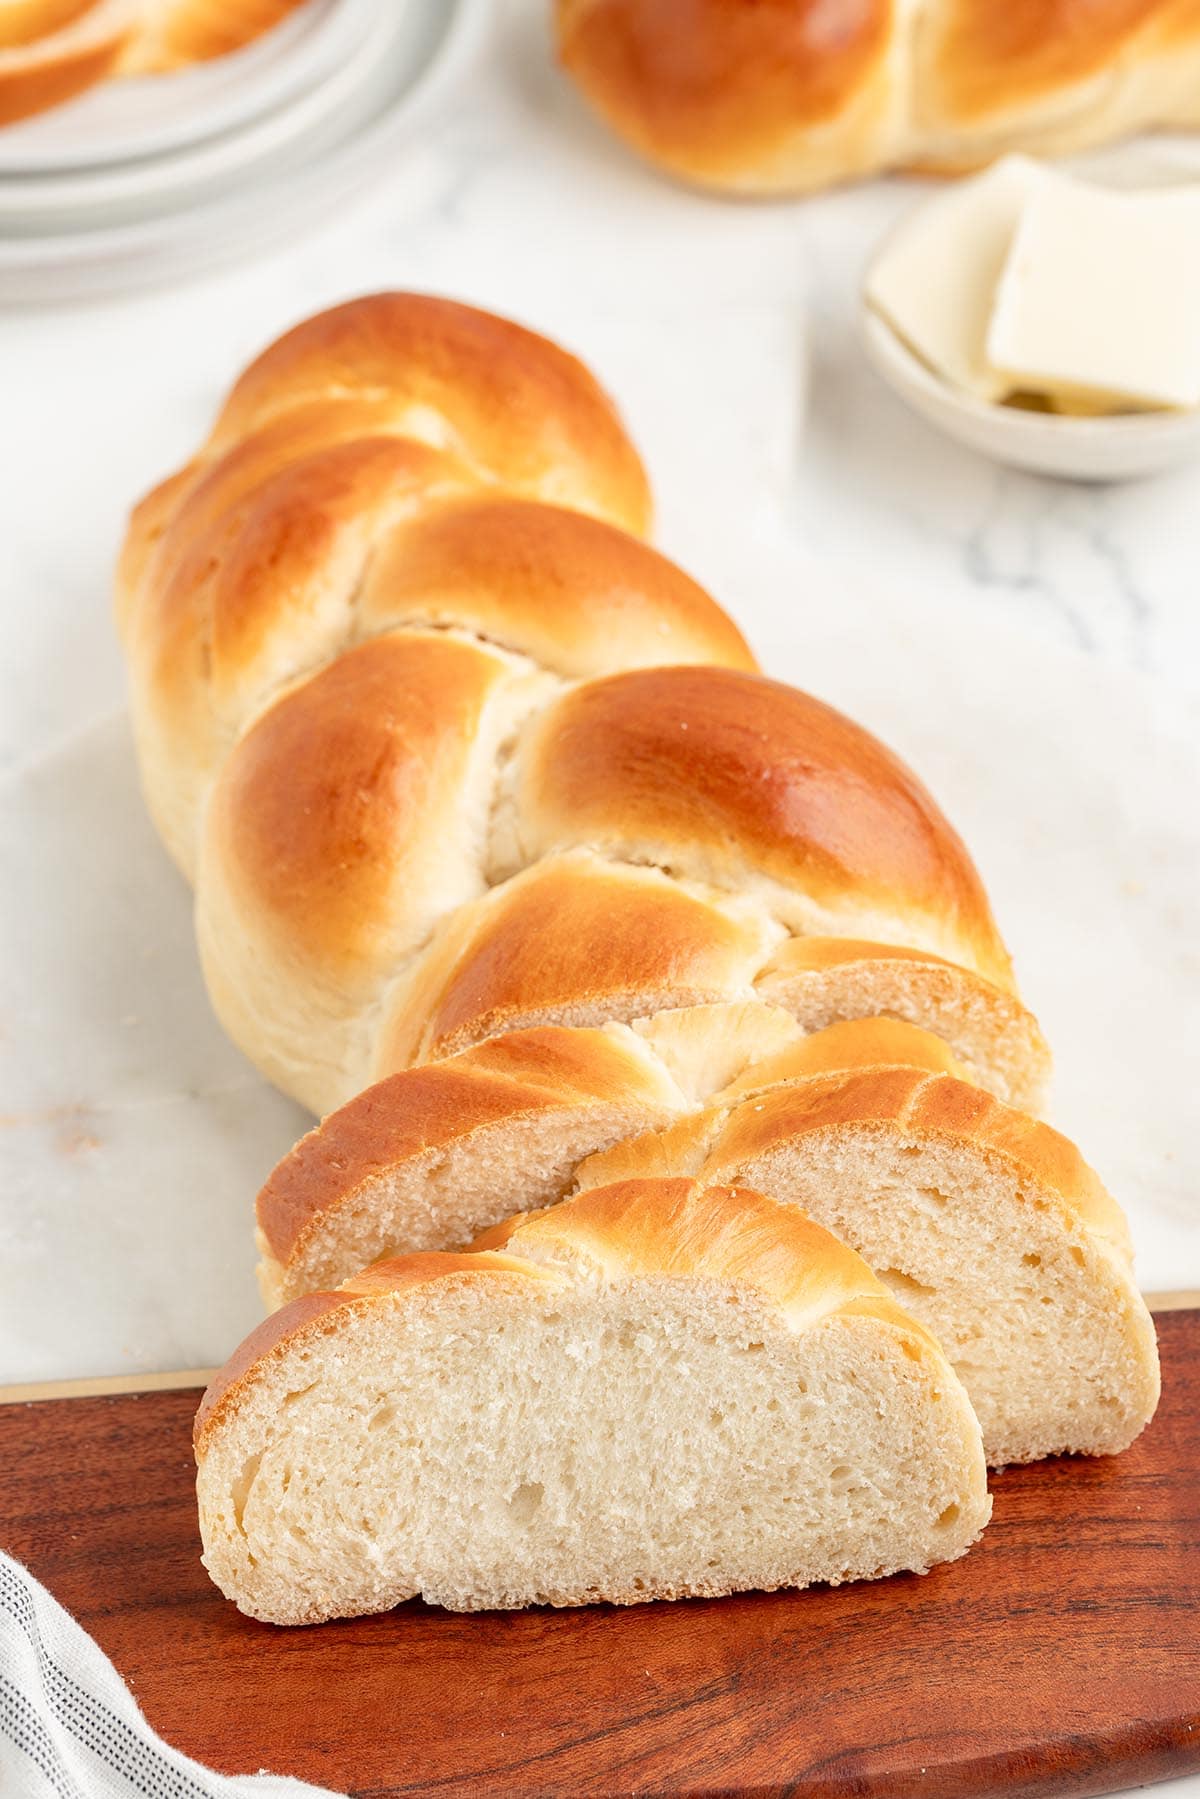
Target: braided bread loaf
<point>392,636</point>
<point>51,50</point>
<point>395,651</point>
<point>783,96</point>
<point>655,1390</point>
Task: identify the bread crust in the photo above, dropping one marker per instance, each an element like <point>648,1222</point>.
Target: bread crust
<point>788,95</point>
<point>526,413</point>
<point>700,768</point>
<point>995,1038</point>
<point>711,89</point>
<point>983,60</point>
<point>721,1232</point>
<point>542,945</point>
<point>852,1043</point>
<point>572,592</point>
<point>183,32</point>
<point>330,850</point>
<point>394,649</point>
<point>979,1216</point>
<point>51,50</point>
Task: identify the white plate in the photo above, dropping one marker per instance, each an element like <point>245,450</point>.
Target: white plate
<point>429,40</point>
<point>1116,448</point>
<point>77,201</point>
<point>147,115</point>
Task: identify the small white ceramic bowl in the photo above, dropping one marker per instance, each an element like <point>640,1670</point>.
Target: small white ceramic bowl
<point>1118,448</point>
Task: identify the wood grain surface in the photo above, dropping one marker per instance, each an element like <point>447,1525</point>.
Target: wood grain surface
<point>1061,1656</point>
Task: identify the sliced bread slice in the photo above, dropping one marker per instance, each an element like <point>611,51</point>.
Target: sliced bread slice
<point>987,1224</point>
<point>823,980</point>
<point>433,1155</point>
<point>658,1389</point>
<point>429,1157</point>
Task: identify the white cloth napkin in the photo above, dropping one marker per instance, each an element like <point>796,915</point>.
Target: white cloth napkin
<point>69,1727</point>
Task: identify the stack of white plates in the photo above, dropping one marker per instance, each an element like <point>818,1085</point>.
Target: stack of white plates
<point>153,177</point>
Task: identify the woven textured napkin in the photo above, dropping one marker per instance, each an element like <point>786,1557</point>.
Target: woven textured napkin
<point>69,1727</point>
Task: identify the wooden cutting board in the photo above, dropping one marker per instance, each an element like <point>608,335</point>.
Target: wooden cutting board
<point>1061,1656</point>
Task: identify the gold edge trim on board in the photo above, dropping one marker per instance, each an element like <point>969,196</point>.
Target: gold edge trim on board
<point>1185,1301</point>
<point>89,1388</point>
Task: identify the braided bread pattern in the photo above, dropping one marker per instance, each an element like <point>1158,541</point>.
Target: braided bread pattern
<point>396,652</point>
<point>784,96</point>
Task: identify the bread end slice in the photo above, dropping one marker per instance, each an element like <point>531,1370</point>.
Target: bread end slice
<point>986,1224</point>
<point>656,1390</point>
<point>822,981</point>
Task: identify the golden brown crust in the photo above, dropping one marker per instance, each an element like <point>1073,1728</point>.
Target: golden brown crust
<point>821,980</point>
<point>348,619</point>
<point>254,577</point>
<point>697,768</point>
<point>432,1110</point>
<point>713,87</point>
<point>24,22</point>
<point>253,550</point>
<point>425,1109</point>
<point>783,96</point>
<point>572,938</point>
<point>514,406</point>
<point>854,1043</point>
<point>725,1233</point>
<point>324,845</point>
<point>321,528</point>
<point>351,487</point>
<point>266,482</point>
<point>802,955</point>
<point>311,1312</point>
<point>982,59</point>
<point>676,1149</point>
<point>190,31</point>
<point>472,394</point>
<point>572,592</point>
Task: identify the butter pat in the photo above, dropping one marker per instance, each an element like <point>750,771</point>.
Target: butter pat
<point>935,280</point>
<point>1099,301</point>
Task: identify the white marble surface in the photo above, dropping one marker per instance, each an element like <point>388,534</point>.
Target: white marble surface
<point>1033,647</point>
